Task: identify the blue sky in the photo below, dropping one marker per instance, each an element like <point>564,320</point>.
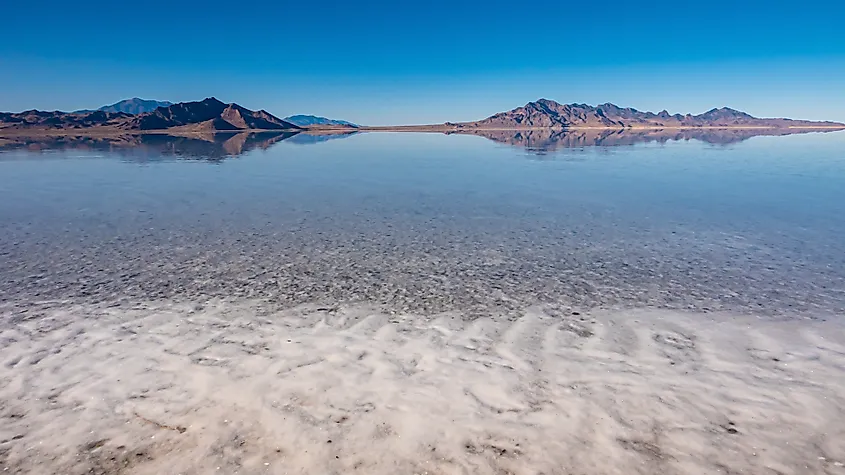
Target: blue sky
<point>424,62</point>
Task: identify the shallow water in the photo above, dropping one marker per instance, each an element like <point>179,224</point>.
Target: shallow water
<point>430,222</point>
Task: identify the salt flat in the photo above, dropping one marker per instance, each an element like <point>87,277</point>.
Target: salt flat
<point>230,387</point>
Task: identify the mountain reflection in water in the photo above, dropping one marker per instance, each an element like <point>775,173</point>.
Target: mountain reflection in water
<point>153,147</point>
<point>219,146</point>
<point>549,140</point>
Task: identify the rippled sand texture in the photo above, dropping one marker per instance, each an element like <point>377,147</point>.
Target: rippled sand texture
<point>232,388</point>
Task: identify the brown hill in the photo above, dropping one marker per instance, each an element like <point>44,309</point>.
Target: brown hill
<point>208,115</point>
<point>546,113</point>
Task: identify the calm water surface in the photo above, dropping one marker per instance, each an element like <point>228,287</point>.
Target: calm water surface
<point>430,222</point>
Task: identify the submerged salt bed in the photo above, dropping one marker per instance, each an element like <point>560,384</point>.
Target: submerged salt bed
<point>431,223</point>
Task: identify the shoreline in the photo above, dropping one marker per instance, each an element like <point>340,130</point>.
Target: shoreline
<point>110,133</point>
<point>230,386</point>
<point>426,128</point>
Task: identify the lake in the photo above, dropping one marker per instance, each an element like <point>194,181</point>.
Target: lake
<point>430,222</point>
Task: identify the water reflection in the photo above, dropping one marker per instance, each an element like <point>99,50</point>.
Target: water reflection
<point>219,146</point>
<point>157,147</point>
<point>548,140</point>
<point>315,138</point>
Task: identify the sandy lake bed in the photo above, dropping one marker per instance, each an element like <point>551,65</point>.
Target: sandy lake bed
<point>231,387</point>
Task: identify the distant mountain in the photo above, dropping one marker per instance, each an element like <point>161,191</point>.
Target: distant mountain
<point>306,120</point>
<point>208,115</point>
<point>135,106</point>
<point>546,113</point>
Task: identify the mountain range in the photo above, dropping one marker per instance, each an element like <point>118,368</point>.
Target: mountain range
<point>208,115</point>
<point>545,113</point>
<point>212,115</point>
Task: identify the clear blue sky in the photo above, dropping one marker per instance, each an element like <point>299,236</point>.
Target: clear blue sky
<point>433,61</point>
